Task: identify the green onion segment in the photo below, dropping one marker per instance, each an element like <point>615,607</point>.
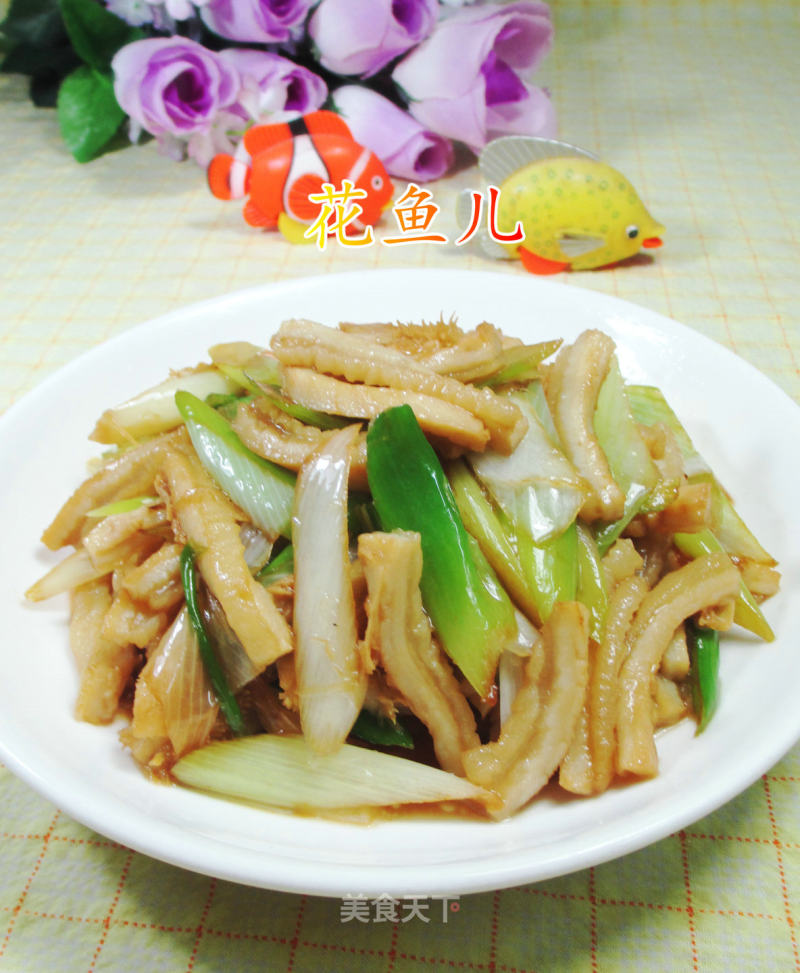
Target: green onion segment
<point>227,701</point>
<point>649,406</point>
<point>628,458</point>
<point>278,568</point>
<point>380,730</point>
<point>747,612</point>
<point>283,771</point>
<point>262,489</point>
<point>703,646</point>
<point>592,589</point>
<point>472,614</point>
<point>122,506</point>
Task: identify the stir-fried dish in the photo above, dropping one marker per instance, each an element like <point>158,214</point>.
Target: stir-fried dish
<point>382,565</point>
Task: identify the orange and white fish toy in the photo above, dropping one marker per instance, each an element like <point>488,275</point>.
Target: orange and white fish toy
<point>279,166</point>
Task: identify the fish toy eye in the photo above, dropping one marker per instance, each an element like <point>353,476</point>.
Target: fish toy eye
<point>377,183</point>
<point>632,231</point>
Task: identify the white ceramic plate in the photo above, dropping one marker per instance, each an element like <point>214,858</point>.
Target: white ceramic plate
<point>745,426</point>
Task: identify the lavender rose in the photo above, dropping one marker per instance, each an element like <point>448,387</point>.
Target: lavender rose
<point>400,142</point>
<point>272,85</point>
<point>360,37</point>
<point>256,21</point>
<point>465,80</point>
<point>178,91</point>
<point>172,85</point>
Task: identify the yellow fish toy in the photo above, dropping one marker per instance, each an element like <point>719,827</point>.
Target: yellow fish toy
<point>575,212</point>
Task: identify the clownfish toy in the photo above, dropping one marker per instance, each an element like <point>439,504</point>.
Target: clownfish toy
<point>576,212</point>
<point>279,166</point>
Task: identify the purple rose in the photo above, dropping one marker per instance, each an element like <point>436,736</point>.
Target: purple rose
<point>362,36</point>
<point>467,80</point>
<point>172,85</point>
<point>271,84</point>
<point>400,142</point>
<point>256,21</point>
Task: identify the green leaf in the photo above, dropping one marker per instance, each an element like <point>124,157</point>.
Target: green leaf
<point>24,58</point>
<point>33,42</point>
<point>95,33</point>
<point>88,112</point>
<point>34,22</point>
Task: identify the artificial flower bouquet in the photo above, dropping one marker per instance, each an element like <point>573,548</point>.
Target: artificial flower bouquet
<point>410,77</point>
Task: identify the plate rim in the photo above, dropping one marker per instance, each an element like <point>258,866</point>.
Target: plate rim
<point>513,873</point>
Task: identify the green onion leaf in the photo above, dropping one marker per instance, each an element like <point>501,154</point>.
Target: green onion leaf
<point>263,490</point>
<point>747,611</point>
<point>122,506</point>
<point>649,407</point>
<point>280,567</point>
<point>380,730</point>
<point>253,376</point>
<point>470,611</point>
<point>551,568</point>
<point>520,363</point>
<point>283,771</point>
<point>629,460</point>
<point>592,583</point>
<point>227,701</point>
<point>535,485</point>
<point>311,417</point>
<point>154,410</point>
<point>703,646</point>
<point>494,533</point>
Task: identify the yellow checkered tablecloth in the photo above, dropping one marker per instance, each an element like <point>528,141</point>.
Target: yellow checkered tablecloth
<point>697,103</point>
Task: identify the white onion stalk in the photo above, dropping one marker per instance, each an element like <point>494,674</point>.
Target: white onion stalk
<point>257,547</point>
<point>236,663</point>
<point>180,683</point>
<point>283,771</point>
<point>331,682</point>
<point>154,410</point>
<point>73,571</point>
<point>511,668</point>
<point>263,490</point>
<point>629,460</point>
<point>536,485</point>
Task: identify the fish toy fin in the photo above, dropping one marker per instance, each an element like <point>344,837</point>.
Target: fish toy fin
<point>261,137</point>
<point>507,155</point>
<point>577,243</point>
<point>464,215</point>
<point>293,230</point>
<point>301,189</point>
<point>255,217</point>
<point>327,123</point>
<point>219,176</point>
<point>535,264</point>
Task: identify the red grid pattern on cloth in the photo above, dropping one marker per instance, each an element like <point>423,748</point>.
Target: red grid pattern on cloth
<point>577,917</point>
